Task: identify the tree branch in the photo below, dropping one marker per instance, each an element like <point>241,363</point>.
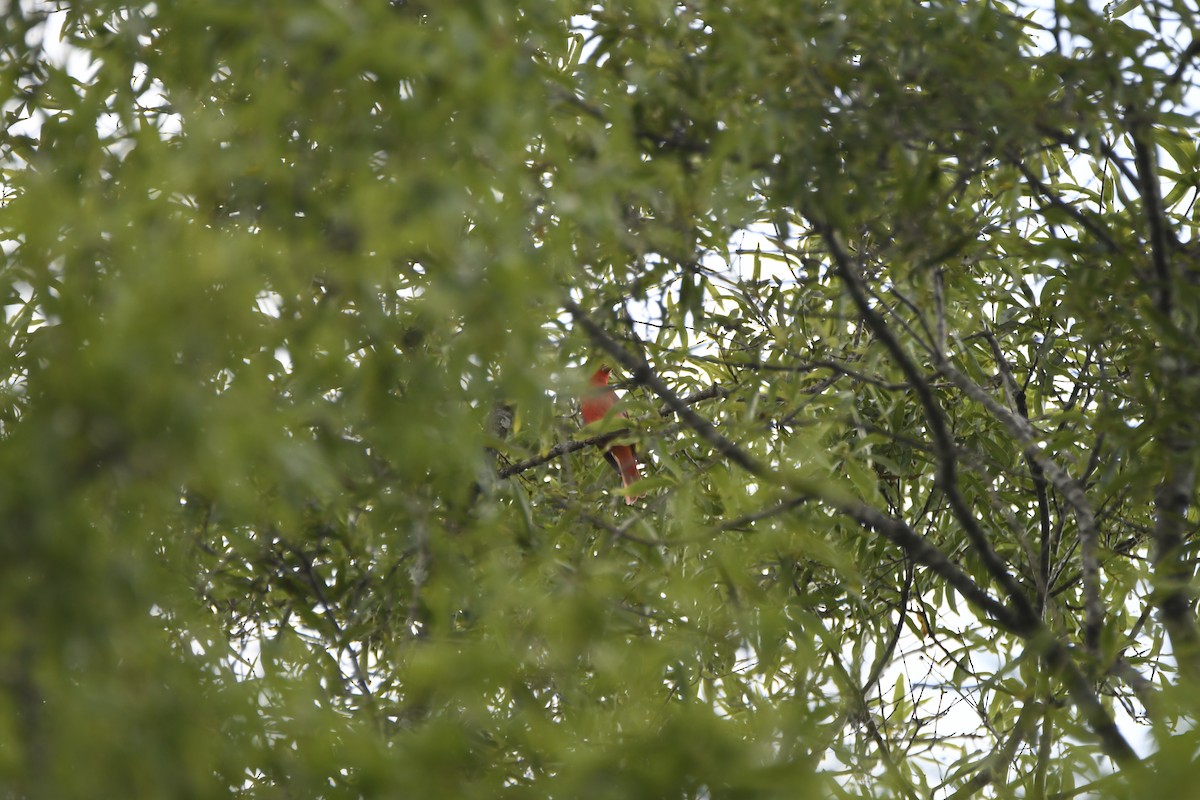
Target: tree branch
<point>1067,486</point>
<point>997,763</point>
<point>1017,396</point>
<point>570,446</point>
<point>1088,224</point>
<point>894,530</point>
<point>1160,231</point>
<point>1055,653</point>
<point>1172,498</point>
<point>559,450</point>
<point>936,420</point>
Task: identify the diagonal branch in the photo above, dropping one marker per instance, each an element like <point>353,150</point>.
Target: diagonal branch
<point>1017,395</point>
<point>559,450</point>
<point>1067,486</point>
<point>1159,229</point>
<point>562,448</point>
<point>936,420</point>
<point>997,763</point>
<point>1087,223</point>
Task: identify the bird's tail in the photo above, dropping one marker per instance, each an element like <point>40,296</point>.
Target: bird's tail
<point>628,467</point>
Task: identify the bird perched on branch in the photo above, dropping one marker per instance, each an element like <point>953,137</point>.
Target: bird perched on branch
<point>595,405</point>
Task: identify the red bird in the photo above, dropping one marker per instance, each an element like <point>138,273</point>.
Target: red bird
<point>595,406</point>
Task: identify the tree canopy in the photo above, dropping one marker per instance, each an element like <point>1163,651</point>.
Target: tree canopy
<point>903,301</point>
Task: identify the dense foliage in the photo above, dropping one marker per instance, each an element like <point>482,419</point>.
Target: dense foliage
<point>903,299</point>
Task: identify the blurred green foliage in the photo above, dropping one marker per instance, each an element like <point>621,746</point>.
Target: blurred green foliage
<point>286,357</point>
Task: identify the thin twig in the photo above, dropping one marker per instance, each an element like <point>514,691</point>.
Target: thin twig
<point>563,448</point>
